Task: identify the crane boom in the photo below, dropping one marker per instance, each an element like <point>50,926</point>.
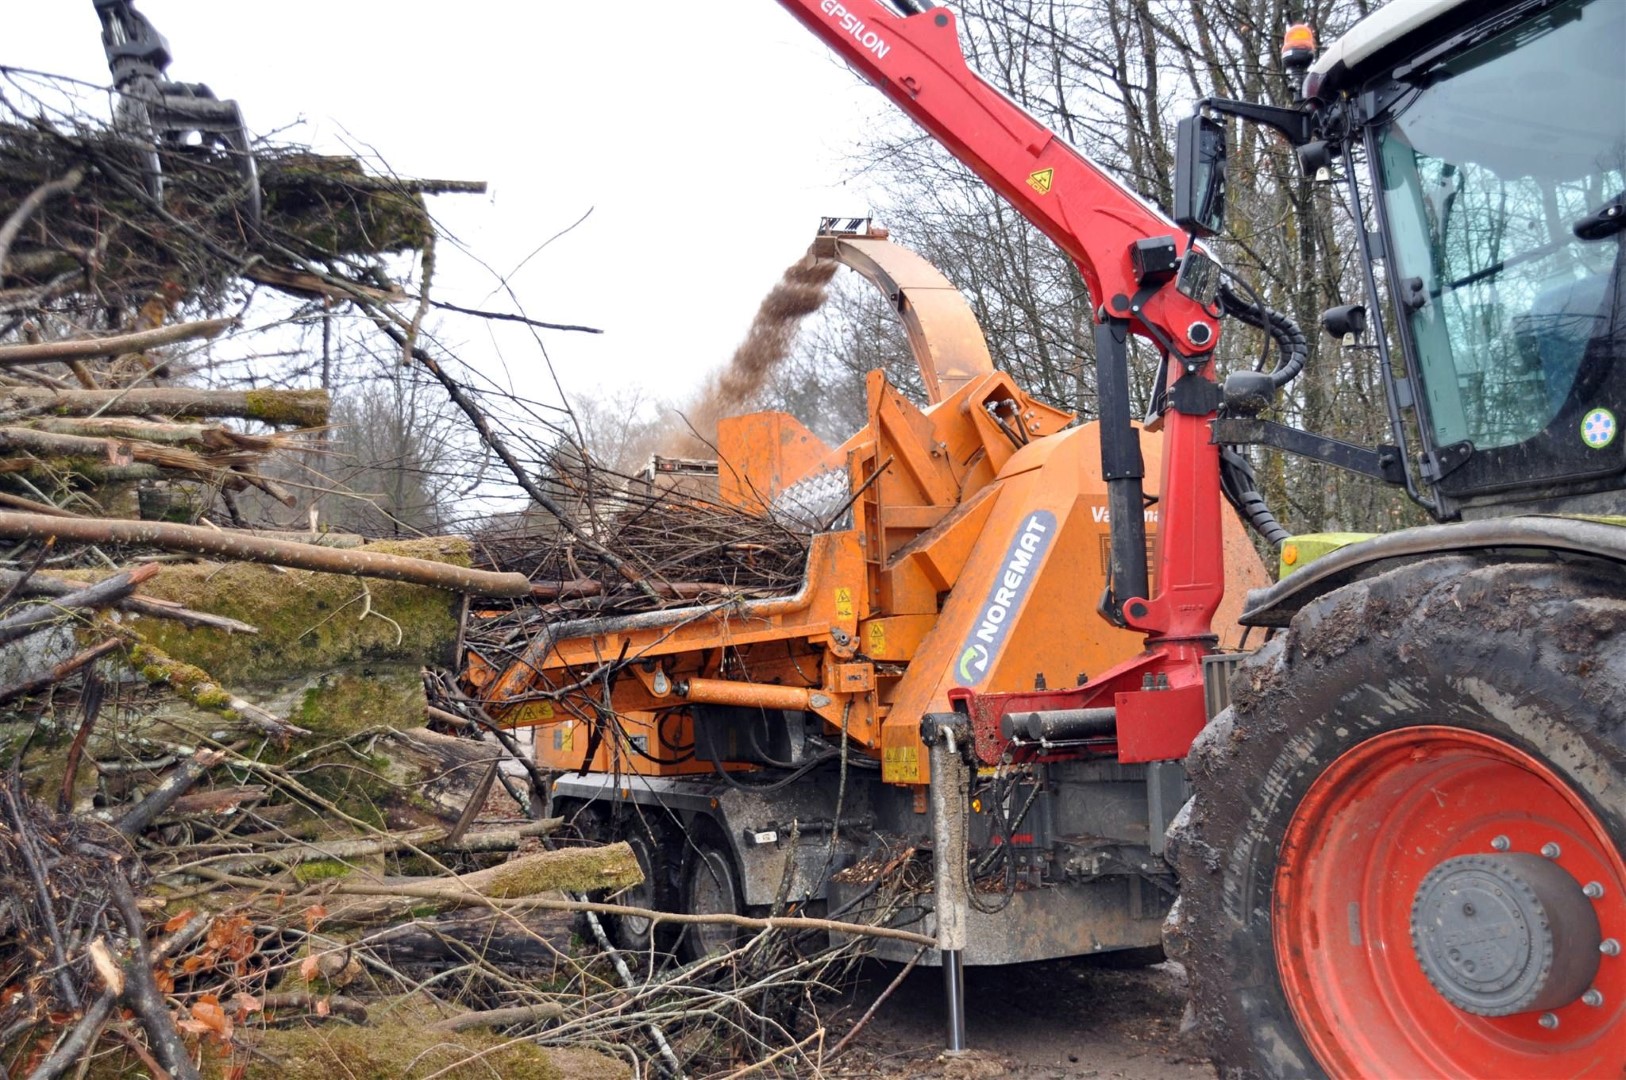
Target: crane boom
<point>917,62</point>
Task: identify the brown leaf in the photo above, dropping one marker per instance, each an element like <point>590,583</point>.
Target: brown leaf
<point>314,915</point>
<point>206,1010</point>
<point>179,921</point>
<point>323,1007</point>
<point>247,1003</point>
<point>309,967</point>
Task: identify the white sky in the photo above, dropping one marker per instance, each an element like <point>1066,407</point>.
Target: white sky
<point>706,139</point>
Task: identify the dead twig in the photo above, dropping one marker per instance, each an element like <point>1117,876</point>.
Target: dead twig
<point>51,352</point>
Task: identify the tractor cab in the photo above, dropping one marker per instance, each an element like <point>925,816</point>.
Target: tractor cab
<point>1487,145</point>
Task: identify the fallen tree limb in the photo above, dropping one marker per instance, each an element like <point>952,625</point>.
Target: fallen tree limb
<point>563,870</point>
<point>792,924</point>
<point>314,1004</point>
<point>170,788</point>
<point>203,689</point>
<point>121,450</point>
<point>495,1018</point>
<point>282,408</point>
<point>51,352</point>
<point>60,671</point>
<point>208,437</point>
<point>426,839</point>
<point>48,585</point>
<point>236,546</point>
<point>17,502</point>
<point>102,594</point>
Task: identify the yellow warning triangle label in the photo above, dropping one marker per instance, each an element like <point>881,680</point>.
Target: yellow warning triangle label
<point>1040,181</point>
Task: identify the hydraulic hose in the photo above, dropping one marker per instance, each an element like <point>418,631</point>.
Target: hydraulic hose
<point>1283,330</point>
<point>1241,490</point>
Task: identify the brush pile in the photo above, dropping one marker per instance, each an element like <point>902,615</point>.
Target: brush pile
<point>229,844</point>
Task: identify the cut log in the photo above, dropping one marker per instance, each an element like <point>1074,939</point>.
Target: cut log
<point>566,870</point>
<point>280,408</point>
<point>427,839</point>
<point>235,546</point>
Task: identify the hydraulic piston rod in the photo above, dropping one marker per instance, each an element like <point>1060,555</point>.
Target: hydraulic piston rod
<point>1059,725</point>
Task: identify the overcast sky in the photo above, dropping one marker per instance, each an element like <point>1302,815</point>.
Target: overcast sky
<point>706,140</point>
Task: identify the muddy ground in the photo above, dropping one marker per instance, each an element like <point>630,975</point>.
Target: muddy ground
<point>1046,1021</point>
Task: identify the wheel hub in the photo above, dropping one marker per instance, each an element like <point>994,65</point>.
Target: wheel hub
<point>1504,934</point>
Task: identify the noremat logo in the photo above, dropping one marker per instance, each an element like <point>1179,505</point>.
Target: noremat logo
<point>851,23</point>
<point>1005,596</point>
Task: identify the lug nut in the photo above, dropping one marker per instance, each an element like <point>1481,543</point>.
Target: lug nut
<point>1551,850</point>
<point>1609,947</point>
<point>1501,843</point>
<point>1593,890</point>
<point>1548,1021</point>
<point>1593,998</point>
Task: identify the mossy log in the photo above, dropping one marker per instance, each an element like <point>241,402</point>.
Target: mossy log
<point>279,408</point>
<point>428,839</point>
<point>372,562</point>
<point>566,870</point>
<point>311,624</point>
<point>202,689</point>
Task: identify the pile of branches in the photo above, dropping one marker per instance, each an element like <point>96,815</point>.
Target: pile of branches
<point>104,225</point>
<point>261,909</point>
<point>673,546</point>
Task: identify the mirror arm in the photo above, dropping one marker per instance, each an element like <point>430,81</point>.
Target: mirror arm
<point>1296,124</point>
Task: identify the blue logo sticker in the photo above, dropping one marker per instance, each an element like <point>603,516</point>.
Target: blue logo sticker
<point>1598,428</point>
<point>1005,596</point>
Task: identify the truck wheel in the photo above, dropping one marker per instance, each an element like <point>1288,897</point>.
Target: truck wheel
<point>1404,852</point>
<point>711,887</point>
<point>638,933</point>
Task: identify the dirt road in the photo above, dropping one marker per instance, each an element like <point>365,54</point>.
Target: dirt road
<point>1046,1021</point>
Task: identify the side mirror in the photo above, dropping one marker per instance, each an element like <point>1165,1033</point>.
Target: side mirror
<point>1199,175</point>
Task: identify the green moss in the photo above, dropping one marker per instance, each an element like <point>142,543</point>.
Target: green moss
<point>399,1048</point>
<point>307,621</point>
<point>319,870</point>
<point>289,408</point>
<point>344,702</point>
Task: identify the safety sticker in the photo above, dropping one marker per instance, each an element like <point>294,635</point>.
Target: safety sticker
<point>900,764</point>
<point>1598,428</point>
<point>844,602</point>
<point>1041,180</point>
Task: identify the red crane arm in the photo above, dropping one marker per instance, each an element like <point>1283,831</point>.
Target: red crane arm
<point>917,62</point>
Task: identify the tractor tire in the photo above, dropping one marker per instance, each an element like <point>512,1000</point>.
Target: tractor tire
<point>1448,732</point>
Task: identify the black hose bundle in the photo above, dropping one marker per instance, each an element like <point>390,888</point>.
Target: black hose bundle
<point>1241,490</point>
<point>1286,333</point>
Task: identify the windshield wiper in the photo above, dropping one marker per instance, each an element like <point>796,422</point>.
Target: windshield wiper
<point>1603,222</point>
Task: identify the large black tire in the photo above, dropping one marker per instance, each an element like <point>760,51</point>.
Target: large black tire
<point>652,847</point>
<point>1532,656</point>
<point>711,886</point>
<point>638,933</point>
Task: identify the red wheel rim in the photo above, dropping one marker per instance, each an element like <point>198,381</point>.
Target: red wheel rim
<point>1367,832</point>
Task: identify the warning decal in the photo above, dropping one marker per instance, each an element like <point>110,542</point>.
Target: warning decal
<point>1041,180</point>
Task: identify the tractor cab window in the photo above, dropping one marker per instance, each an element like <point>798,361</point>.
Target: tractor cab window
<point>1492,168</point>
